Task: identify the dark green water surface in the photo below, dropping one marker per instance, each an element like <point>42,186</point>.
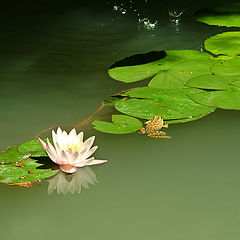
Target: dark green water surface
<point>53,70</point>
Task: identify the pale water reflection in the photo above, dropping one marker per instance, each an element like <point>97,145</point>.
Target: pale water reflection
<point>64,183</point>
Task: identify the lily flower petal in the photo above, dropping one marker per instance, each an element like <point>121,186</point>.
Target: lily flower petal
<point>70,151</point>
<point>96,162</point>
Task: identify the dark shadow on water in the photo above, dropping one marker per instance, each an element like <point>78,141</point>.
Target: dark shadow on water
<point>140,59</point>
<point>46,163</point>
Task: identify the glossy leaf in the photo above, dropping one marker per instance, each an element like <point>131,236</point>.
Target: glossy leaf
<point>227,43</point>
<point>170,104</point>
<point>28,172</point>
<point>227,68</point>
<point>33,147</point>
<point>122,124</point>
<point>11,155</point>
<point>213,82</point>
<point>184,120</point>
<point>179,74</point>
<point>229,99</point>
<point>177,62</point>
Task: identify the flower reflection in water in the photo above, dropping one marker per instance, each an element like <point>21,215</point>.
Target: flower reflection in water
<point>64,183</point>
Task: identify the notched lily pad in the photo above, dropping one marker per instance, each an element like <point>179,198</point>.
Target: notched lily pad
<point>34,148</point>
<point>212,82</point>
<point>181,64</point>
<point>28,171</point>
<point>148,102</point>
<point>11,155</point>
<point>122,124</point>
<point>229,99</point>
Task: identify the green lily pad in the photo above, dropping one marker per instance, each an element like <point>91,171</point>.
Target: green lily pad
<point>212,82</point>
<point>236,83</point>
<point>34,148</point>
<point>122,124</point>
<point>227,43</point>
<point>227,15</point>
<point>179,74</point>
<point>227,68</point>
<point>184,120</point>
<point>229,99</point>
<point>12,155</point>
<point>11,173</point>
<point>178,62</point>
<point>170,104</point>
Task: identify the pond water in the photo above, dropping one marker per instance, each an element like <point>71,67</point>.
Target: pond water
<point>53,70</point>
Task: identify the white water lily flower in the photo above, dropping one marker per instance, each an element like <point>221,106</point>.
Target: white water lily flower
<point>70,151</point>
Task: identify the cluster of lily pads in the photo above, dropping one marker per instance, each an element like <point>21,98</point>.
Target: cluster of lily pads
<point>20,165</point>
<point>184,85</point>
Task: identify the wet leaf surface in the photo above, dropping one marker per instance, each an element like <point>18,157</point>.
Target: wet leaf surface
<point>229,99</point>
<point>177,62</point>
<point>33,147</point>
<point>170,104</point>
<point>27,171</point>
<point>213,82</point>
<point>11,155</point>
<point>227,67</point>
<point>121,124</point>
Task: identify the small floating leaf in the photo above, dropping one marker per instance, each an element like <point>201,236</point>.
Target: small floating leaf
<point>122,124</point>
<point>28,172</point>
<point>229,99</point>
<point>169,104</point>
<point>227,43</point>
<point>11,155</point>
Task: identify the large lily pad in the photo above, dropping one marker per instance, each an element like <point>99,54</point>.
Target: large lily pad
<point>180,64</point>
<point>33,147</point>
<point>11,155</point>
<point>228,99</point>
<point>27,172</point>
<point>213,82</point>
<point>227,43</point>
<point>222,15</point>
<point>180,73</point>
<point>170,104</point>
<point>122,124</point>
<point>227,68</point>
